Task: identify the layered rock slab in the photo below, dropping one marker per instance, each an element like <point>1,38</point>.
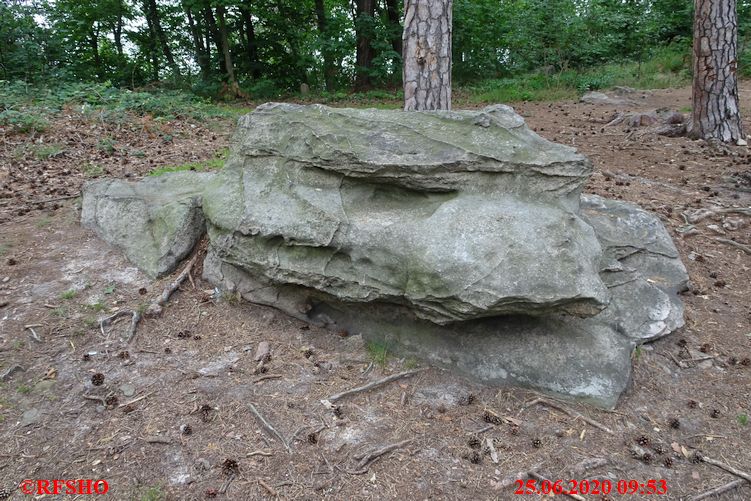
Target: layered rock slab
<point>455,215</point>
<point>458,237</point>
<point>155,222</point>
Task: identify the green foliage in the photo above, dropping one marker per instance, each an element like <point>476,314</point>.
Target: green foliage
<point>215,163</point>
<point>742,419</point>
<point>378,352</point>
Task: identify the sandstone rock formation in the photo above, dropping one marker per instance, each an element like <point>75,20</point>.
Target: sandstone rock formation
<point>459,237</point>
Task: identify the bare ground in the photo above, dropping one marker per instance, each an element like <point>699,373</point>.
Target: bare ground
<point>691,392</point>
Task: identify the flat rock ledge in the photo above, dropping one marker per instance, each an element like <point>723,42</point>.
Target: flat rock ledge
<point>461,238</point>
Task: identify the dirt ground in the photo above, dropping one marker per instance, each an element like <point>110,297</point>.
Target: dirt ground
<point>171,416</point>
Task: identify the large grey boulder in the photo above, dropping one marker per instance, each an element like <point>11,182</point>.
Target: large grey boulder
<point>456,215</point>
<point>156,222</point>
<point>461,238</point>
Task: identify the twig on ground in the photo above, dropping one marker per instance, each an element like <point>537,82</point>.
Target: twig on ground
<point>135,317</point>
<point>540,478</point>
<point>744,248</point>
<point>570,412</point>
<point>727,468</point>
<point>96,399</point>
<point>268,426</point>
<point>155,308</point>
<point>58,199</point>
<point>266,486</point>
<point>718,490</point>
<point>370,386</point>
<point>135,400</point>
<point>158,440</point>
<point>368,458</point>
<point>226,483</point>
<point>34,334</point>
<point>268,376</point>
<point>259,453</point>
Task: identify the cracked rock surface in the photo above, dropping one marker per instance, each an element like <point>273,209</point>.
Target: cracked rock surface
<point>459,237</point>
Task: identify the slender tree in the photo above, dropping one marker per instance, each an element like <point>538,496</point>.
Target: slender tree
<point>716,114</point>
<point>427,55</point>
<point>364,19</point>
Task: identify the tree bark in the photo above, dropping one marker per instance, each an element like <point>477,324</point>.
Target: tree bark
<point>365,53</point>
<point>392,10</point>
<point>250,34</point>
<point>716,114</point>
<point>215,36</point>
<point>323,32</point>
<point>427,55</point>
<point>234,88</point>
<point>156,26</point>
<point>201,52</point>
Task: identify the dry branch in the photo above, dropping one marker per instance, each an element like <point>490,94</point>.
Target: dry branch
<point>738,473</point>
<point>718,490</point>
<point>541,478</point>
<point>370,386</point>
<point>268,426</point>
<point>368,458</point>
<point>744,248</point>
<point>570,412</point>
<point>155,308</point>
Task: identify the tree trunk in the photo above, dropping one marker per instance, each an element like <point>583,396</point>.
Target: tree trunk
<point>202,55</point>
<point>215,36</point>
<point>716,114</point>
<point>365,53</point>
<point>427,55</point>
<point>392,10</point>
<point>94,43</point>
<point>323,32</point>
<point>162,37</point>
<point>153,54</point>
<point>233,87</point>
<point>250,34</point>
<point>117,30</point>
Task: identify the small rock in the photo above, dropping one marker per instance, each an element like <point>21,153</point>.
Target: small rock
<point>263,351</point>
<point>30,417</point>
<point>742,142</point>
<point>219,366</point>
<point>128,390</point>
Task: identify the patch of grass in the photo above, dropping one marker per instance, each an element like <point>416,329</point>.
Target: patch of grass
<point>46,151</point>
<point>23,389</point>
<point>667,67</point>
<point>17,345</point>
<point>93,170</point>
<point>90,322</point>
<point>378,352</point>
<point>69,294</point>
<point>742,419</point>
<point>4,249</point>
<point>110,289</point>
<point>24,120</point>
<point>97,307</point>
<point>410,363</point>
<point>106,145</point>
<point>153,493</point>
<point>637,353</point>
<point>61,311</point>
<point>215,163</point>
<point>43,222</point>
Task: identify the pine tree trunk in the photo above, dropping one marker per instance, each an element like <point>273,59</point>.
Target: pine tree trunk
<point>365,53</point>
<point>234,88</point>
<point>716,114</point>
<point>323,32</point>
<point>250,34</point>
<point>427,55</point>
<point>162,37</point>
<point>392,10</point>
<point>202,55</point>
